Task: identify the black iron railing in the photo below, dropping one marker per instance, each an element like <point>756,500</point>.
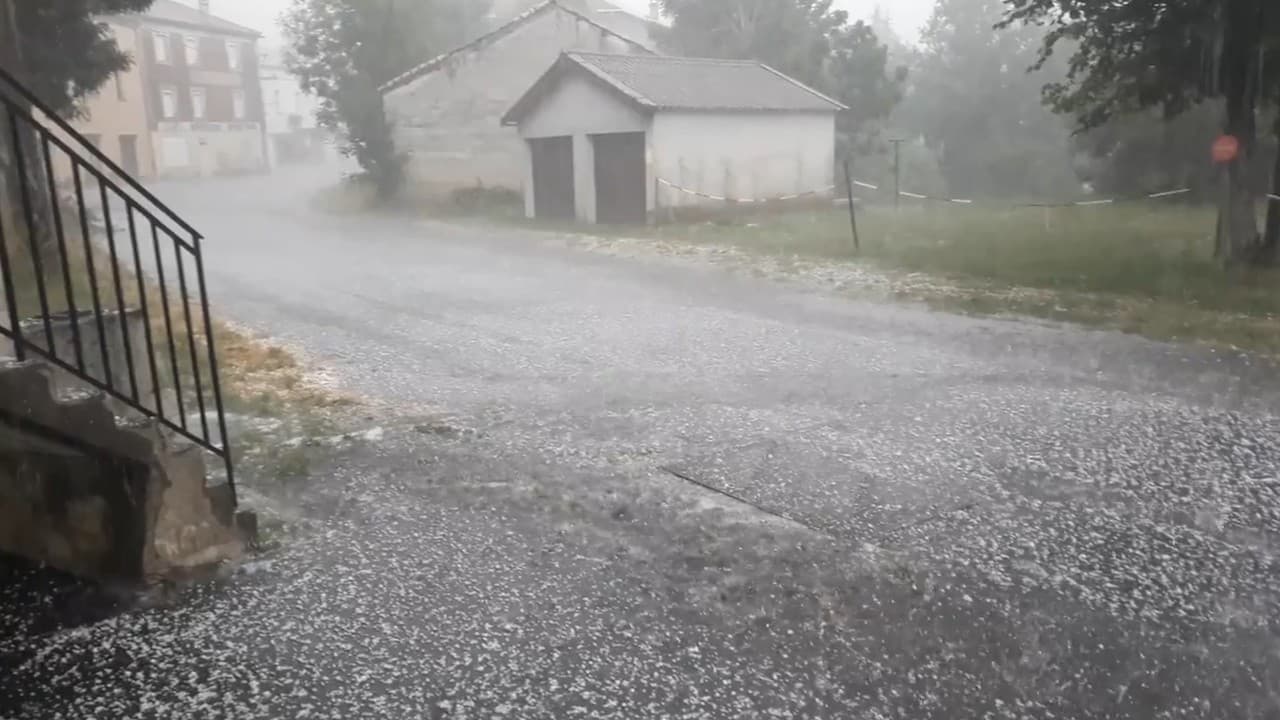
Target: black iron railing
<point>86,256</point>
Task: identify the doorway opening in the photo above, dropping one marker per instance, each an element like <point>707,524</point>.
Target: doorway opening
<point>553,194</point>
<point>621,185</point>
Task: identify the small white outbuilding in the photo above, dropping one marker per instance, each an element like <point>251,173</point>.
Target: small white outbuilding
<point>612,138</point>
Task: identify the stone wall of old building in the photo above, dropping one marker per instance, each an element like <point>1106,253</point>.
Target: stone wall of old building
<point>70,510</point>
<point>448,122</point>
<point>85,492</point>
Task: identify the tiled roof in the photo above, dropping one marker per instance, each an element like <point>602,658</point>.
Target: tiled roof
<point>659,82</point>
<point>496,35</point>
<point>170,11</point>
<point>621,21</point>
<point>704,84</point>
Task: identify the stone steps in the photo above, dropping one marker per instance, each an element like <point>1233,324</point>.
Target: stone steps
<point>91,493</point>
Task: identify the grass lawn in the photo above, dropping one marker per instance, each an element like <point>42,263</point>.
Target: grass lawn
<point>1146,268</point>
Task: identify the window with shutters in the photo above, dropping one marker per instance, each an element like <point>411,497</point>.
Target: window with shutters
<point>169,102</point>
<point>198,103</point>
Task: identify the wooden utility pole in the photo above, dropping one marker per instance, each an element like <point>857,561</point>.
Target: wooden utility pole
<point>853,216</point>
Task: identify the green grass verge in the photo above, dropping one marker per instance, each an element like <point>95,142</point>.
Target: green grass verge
<point>1143,268</point>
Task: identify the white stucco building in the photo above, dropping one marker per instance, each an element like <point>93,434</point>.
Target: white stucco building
<point>611,138</point>
<point>293,134</point>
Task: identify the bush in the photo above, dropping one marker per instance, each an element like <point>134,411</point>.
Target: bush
<point>480,199</point>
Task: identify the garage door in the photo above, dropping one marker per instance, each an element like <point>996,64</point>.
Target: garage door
<point>620,178</point>
<point>552,160</point>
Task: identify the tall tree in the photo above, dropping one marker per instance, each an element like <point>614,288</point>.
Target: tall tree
<point>805,39</point>
<point>857,74</point>
<point>1145,151</point>
<point>878,161</point>
<point>63,52</point>
<point>793,36</point>
<point>975,105</point>
<point>1133,55</point>
<point>901,52</point>
<point>343,51</point>
<point>1270,251</point>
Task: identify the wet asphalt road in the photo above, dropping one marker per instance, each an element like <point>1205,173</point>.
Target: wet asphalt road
<point>935,516</point>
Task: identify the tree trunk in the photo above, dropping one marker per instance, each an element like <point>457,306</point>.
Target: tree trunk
<point>30,188</point>
<point>1237,240</point>
<point>1270,251</point>
<point>8,60</point>
<point>1237,218</point>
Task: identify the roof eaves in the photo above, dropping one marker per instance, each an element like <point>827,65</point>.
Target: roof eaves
<point>738,109</point>
<point>595,23</point>
<point>211,24</point>
<point>521,107</point>
<point>497,34</point>
<point>436,62</point>
<point>836,104</point>
<point>517,110</point>
<point>613,82</point>
<point>238,31</point>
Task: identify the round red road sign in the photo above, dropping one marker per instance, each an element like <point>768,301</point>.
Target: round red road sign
<point>1225,149</point>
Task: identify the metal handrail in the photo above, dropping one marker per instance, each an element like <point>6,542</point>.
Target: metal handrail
<point>108,265</point>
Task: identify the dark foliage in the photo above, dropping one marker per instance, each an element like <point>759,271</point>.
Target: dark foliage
<point>66,53</point>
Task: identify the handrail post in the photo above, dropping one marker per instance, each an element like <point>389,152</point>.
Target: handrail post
<point>28,212</point>
<point>11,296</point>
<point>216,383</point>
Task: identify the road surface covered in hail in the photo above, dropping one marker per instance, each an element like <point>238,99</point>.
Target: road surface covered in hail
<point>670,491</point>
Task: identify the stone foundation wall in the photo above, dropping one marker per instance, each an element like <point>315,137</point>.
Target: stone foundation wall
<point>72,511</point>
<point>80,492</point>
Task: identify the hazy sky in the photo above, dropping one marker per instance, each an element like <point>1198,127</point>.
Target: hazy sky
<point>907,15</point>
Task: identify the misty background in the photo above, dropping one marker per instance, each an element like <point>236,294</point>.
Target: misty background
<point>970,116</point>
<point>907,16</point>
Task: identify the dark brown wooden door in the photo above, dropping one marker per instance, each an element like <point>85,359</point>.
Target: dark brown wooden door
<point>620,178</point>
<point>552,158</point>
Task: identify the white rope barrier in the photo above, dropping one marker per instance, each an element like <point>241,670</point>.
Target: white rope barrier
<point>918,196</point>
<point>1076,203</point>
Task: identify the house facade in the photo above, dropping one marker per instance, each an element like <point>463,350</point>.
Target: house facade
<point>613,138</point>
<point>289,115</point>
<point>115,118</point>
<point>191,104</point>
<point>446,113</point>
